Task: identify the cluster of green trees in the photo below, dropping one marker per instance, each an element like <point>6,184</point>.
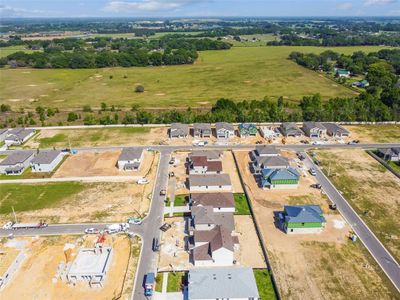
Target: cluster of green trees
<point>103,52</point>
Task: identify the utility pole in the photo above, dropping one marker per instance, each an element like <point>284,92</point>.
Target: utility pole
<point>15,216</point>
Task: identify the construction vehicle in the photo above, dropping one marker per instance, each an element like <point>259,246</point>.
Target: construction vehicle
<point>41,224</point>
<point>149,283</point>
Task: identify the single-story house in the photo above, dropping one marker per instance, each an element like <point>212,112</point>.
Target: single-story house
<point>210,182</point>
<point>290,129</point>
<point>280,178</point>
<point>200,165</point>
<point>233,283</point>
<point>360,84</point>
<point>342,73</point>
<point>178,130</point>
<point>247,129</point>
<point>269,162</point>
<point>16,163</point>
<point>214,247</point>
<point>269,132</point>
<point>211,155</point>
<point>3,134</point>
<point>224,130</point>
<point>18,136</point>
<point>314,129</point>
<point>335,130</point>
<point>390,154</point>
<point>130,159</point>
<point>202,130</point>
<point>221,202</point>
<point>266,151</point>
<point>302,219</point>
<point>204,218</point>
<point>46,160</point>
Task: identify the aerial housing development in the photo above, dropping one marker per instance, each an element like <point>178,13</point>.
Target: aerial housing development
<point>148,154</point>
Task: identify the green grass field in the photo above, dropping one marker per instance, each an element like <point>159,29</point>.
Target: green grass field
<point>180,200</point>
<point>242,207</point>
<point>264,285</point>
<point>174,281</point>
<point>12,49</point>
<point>28,197</point>
<point>239,73</point>
<point>88,137</point>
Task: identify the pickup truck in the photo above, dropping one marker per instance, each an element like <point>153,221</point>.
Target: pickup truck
<point>115,228</point>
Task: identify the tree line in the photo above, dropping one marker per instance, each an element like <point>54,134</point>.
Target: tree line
<point>103,52</point>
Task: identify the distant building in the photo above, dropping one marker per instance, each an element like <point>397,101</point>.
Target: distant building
<point>18,136</point>
<point>342,73</point>
<point>130,159</point>
<point>233,283</point>
<point>16,163</point>
<point>302,219</point>
<point>202,130</point>
<point>335,130</point>
<point>314,129</point>
<point>290,129</point>
<point>224,130</point>
<point>247,130</point>
<point>283,178</point>
<point>46,160</point>
<point>178,130</point>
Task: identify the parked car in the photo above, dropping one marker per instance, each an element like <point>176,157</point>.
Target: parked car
<point>143,180</point>
<point>171,174</point>
<point>312,172</point>
<point>333,206</point>
<point>155,245</point>
<point>316,186</point>
<point>172,161</point>
<point>134,221</point>
<point>8,225</point>
<point>165,227</point>
<point>92,230</point>
<point>149,283</point>
<point>163,192</point>
<point>317,162</point>
<point>258,142</point>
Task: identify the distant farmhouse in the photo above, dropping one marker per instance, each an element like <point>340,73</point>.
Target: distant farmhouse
<point>178,130</point>
<point>342,73</point>
<point>130,159</point>
<point>302,219</point>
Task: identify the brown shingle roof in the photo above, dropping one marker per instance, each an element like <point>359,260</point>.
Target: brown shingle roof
<point>214,166</point>
<point>213,199</point>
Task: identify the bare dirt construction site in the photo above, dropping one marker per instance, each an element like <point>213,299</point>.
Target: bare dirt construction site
<point>372,190</point>
<point>44,256</point>
<point>386,133</point>
<point>314,266</point>
<point>96,163</point>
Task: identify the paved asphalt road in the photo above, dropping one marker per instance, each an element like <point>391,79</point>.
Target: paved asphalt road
<point>371,242</point>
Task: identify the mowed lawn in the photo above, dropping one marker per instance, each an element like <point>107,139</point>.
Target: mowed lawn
<point>239,73</point>
<point>28,197</point>
<point>5,51</point>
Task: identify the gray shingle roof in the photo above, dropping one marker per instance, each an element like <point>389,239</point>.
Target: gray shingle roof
<point>130,154</point>
<point>266,150</point>
<point>210,154</point>
<point>333,128</point>
<point>272,161</point>
<point>202,126</point>
<point>209,180</point>
<point>18,133</point>
<point>222,283</point>
<point>213,199</point>
<point>224,125</point>
<point>179,129</point>
<point>311,125</point>
<point>303,214</point>
<point>16,158</point>
<point>206,215</point>
<point>46,157</point>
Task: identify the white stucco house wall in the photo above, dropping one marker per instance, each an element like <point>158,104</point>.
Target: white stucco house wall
<point>46,161</point>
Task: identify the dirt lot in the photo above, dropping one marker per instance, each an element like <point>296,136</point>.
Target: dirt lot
<point>44,256</point>
<point>372,190</point>
<point>101,202</point>
<point>249,254</point>
<point>375,133</point>
<point>102,163</point>
<point>318,266</point>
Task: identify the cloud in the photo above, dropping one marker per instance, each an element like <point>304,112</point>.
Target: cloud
<point>9,11</point>
<point>146,5</point>
<point>378,2</point>
<point>344,6</point>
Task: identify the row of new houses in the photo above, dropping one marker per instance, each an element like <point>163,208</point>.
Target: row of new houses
<point>47,160</point>
<point>225,130</point>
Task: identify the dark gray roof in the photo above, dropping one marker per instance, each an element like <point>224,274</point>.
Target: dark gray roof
<point>206,215</point>
<point>18,133</point>
<point>272,161</point>
<point>266,150</point>
<point>209,180</point>
<point>202,126</point>
<point>16,158</point>
<point>224,125</point>
<point>311,125</point>
<point>210,154</point>
<point>130,154</point>
<point>46,156</point>
<point>178,129</point>
<point>222,283</point>
<point>332,128</point>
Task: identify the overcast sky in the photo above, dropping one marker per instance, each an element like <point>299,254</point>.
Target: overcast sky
<point>172,8</point>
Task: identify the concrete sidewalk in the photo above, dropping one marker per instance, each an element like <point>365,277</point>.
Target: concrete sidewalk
<point>176,209</point>
<point>82,179</point>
